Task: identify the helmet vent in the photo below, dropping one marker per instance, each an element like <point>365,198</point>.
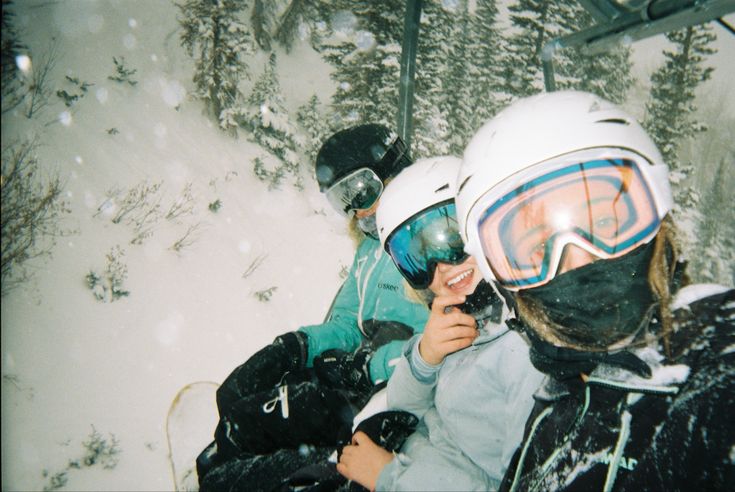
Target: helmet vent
<point>617,121</point>
<point>464,183</point>
<point>441,188</point>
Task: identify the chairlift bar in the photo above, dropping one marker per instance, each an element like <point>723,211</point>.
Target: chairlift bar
<point>658,17</point>
<point>408,70</point>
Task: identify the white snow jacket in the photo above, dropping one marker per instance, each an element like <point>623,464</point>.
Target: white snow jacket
<point>472,414</point>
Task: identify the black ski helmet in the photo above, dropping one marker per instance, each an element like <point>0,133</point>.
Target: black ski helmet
<point>371,145</point>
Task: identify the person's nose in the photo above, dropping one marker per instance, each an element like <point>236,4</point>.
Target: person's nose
<point>574,257</point>
<point>443,267</point>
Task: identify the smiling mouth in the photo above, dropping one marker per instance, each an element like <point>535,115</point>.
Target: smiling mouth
<point>460,277</point>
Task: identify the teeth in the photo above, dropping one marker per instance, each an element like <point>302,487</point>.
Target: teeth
<point>459,277</point>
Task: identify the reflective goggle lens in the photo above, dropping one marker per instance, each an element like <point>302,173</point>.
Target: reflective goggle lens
<point>604,207</point>
<point>427,238</point>
<point>356,191</point>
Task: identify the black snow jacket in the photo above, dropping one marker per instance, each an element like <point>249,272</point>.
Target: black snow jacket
<point>615,430</point>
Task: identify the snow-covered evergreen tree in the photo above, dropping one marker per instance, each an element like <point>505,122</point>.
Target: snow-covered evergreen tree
<point>670,112</point>
<point>314,125</point>
<point>670,115</point>
<point>714,256</point>
<point>218,41</point>
<point>365,53</point>
<point>301,19</point>
<point>437,33</point>
<point>480,95</point>
<point>268,123</point>
<point>538,22</point>
<point>263,19</point>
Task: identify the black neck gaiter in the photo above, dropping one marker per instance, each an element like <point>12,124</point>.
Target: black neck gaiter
<point>597,305</point>
<point>483,304</point>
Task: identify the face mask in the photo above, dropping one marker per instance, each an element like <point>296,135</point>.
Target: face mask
<point>600,304</point>
<point>369,226</point>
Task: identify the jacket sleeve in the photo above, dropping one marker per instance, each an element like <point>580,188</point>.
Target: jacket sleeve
<point>405,390</point>
<point>341,330</point>
<point>384,360</point>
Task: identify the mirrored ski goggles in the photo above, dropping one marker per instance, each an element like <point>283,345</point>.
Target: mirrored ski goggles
<point>358,190</point>
<point>603,206</point>
<point>427,238</point>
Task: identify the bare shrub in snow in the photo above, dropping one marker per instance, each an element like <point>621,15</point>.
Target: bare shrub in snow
<point>138,201</point>
<point>31,209</point>
<point>254,265</point>
<point>191,236</point>
<point>98,451</point>
<point>265,294</point>
<point>108,285</point>
<point>122,73</point>
<point>182,205</point>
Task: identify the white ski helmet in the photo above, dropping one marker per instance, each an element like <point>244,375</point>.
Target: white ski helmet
<point>416,219</point>
<point>424,183</point>
<point>538,129</point>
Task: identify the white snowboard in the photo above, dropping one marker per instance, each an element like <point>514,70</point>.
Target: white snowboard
<point>189,429</point>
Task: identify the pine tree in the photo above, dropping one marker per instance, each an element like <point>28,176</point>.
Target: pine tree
<point>367,65</point>
<point>314,125</point>
<point>714,260</point>
<point>300,19</point>
<point>539,22</point>
<point>481,93</point>
<point>431,130</point>
<point>268,121</point>
<point>263,19</point>
<point>670,115</point>
<point>215,37</point>
<point>11,48</point>
<point>522,60</point>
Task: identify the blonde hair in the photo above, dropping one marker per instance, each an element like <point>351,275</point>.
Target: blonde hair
<point>354,231</point>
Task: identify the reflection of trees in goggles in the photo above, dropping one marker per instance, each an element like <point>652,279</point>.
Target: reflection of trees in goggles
<point>427,238</point>
<point>356,191</point>
<point>603,206</point>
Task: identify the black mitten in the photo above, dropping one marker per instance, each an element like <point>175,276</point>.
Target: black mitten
<point>286,417</point>
<point>341,369</point>
<point>265,369</point>
<point>389,429</point>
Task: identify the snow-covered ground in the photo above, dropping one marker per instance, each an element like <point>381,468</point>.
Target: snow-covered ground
<point>74,367</point>
<point>72,364</point>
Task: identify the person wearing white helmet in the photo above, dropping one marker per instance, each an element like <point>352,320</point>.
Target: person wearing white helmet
<point>468,377</point>
<point>564,200</point>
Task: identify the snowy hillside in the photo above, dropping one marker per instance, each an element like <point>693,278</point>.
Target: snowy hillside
<point>72,364</point>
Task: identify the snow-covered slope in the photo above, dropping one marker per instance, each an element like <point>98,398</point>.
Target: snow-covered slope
<point>73,365</point>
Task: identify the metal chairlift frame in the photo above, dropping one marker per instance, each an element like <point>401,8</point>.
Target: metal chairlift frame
<point>617,21</point>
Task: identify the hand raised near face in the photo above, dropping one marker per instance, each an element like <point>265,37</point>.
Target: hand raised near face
<point>447,330</point>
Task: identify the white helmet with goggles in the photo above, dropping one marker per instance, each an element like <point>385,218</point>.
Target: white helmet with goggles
<point>556,169</point>
<point>416,219</point>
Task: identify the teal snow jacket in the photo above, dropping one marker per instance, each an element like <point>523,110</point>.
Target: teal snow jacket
<point>367,311</point>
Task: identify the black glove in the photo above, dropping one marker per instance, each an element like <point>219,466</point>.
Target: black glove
<point>389,429</point>
<point>347,370</point>
<point>264,369</point>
